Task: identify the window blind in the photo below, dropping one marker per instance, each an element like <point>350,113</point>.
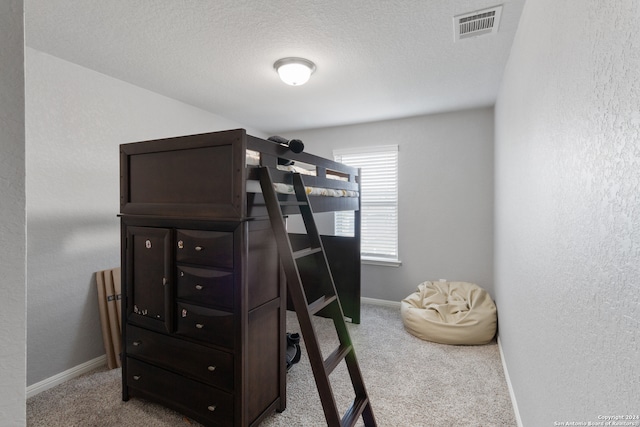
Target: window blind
<point>379,200</point>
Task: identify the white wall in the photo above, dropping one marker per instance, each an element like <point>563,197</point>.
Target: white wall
<point>12,215</point>
<point>76,119</point>
<point>568,211</point>
<point>445,200</point>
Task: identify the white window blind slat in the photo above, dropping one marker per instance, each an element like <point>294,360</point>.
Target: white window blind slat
<point>379,200</point>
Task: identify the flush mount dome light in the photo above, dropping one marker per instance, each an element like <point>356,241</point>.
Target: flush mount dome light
<point>294,71</point>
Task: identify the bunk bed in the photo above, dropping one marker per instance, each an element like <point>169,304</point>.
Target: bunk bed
<point>215,176</point>
<point>201,275</point>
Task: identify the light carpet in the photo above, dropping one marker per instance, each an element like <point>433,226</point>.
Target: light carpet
<point>411,383</point>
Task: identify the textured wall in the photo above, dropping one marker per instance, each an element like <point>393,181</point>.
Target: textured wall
<point>76,119</point>
<point>12,216</point>
<point>568,211</point>
<point>445,200</point>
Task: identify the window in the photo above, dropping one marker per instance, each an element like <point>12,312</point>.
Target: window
<point>379,202</point>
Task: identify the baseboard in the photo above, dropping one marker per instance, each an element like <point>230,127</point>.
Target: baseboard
<point>511,393</point>
<point>383,302</point>
<point>76,371</point>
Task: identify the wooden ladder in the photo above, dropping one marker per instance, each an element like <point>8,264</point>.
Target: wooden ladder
<point>329,301</point>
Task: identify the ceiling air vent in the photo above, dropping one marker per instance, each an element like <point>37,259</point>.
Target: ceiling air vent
<point>476,23</point>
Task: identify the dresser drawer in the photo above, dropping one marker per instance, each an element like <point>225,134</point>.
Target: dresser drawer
<point>206,286</point>
<point>205,364</point>
<point>213,248</point>
<point>183,394</point>
<point>207,324</point>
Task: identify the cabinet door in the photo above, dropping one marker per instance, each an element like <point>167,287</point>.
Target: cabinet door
<point>149,277</point>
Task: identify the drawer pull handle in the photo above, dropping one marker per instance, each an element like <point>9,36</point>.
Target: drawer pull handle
<point>199,325</point>
<point>136,377</point>
<point>211,368</point>
<point>137,343</point>
<point>199,248</point>
<point>211,408</point>
<point>199,287</point>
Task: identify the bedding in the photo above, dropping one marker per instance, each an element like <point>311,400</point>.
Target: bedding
<point>253,159</point>
<point>315,191</point>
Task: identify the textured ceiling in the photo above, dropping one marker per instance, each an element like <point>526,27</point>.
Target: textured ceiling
<point>376,59</point>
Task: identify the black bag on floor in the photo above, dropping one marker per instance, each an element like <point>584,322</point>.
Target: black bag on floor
<point>293,349</point>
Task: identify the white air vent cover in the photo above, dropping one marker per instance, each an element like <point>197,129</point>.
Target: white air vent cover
<point>477,23</point>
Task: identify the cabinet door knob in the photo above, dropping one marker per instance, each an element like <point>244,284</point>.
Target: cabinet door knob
<point>199,325</point>
<point>136,377</point>
<point>211,368</point>
<point>199,287</point>
<point>199,248</point>
<point>137,343</point>
<point>211,408</point>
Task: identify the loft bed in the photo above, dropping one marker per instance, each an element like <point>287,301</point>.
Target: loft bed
<point>214,176</point>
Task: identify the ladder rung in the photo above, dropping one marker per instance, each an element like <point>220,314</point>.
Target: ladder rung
<point>336,357</point>
<point>353,413</point>
<point>306,252</point>
<point>321,303</point>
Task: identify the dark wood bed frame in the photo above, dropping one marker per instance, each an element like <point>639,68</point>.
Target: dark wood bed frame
<point>204,297</point>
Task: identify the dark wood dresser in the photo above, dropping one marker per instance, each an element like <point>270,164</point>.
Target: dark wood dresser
<point>204,303</point>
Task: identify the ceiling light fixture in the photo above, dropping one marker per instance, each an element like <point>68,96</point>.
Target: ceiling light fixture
<point>294,71</point>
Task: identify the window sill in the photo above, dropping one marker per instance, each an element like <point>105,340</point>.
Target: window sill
<point>381,261</point>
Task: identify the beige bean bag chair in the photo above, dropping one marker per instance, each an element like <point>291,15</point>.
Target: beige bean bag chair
<point>450,313</point>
